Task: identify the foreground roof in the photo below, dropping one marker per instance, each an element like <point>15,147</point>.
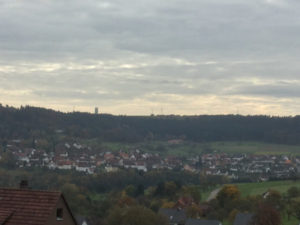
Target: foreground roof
<point>174,215</point>
<point>243,219</point>
<point>202,222</point>
<point>26,207</point>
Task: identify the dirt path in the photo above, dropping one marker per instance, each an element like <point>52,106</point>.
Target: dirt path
<point>213,194</point>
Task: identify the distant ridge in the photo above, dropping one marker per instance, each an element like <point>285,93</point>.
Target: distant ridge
<point>26,122</point>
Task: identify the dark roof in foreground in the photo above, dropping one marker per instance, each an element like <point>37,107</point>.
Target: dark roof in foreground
<point>174,215</point>
<point>81,219</point>
<point>26,207</point>
<point>243,219</point>
<point>202,222</point>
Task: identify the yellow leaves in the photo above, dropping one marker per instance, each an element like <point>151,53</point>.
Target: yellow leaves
<point>125,200</point>
<point>228,194</point>
<point>232,215</point>
<point>168,204</point>
<point>194,211</point>
<point>231,191</point>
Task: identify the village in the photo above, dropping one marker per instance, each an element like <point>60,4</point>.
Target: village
<point>82,158</point>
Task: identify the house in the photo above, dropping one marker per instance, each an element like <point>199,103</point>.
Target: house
<point>243,219</point>
<point>175,216</point>
<point>32,207</point>
<point>202,222</point>
<point>84,167</point>
<point>184,202</point>
<point>64,165</point>
<point>81,220</point>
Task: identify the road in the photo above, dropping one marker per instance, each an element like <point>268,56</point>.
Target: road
<point>213,194</point>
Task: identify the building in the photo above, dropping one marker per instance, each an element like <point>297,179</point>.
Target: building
<point>202,222</point>
<point>243,219</point>
<point>174,216</point>
<point>96,110</point>
<point>32,207</point>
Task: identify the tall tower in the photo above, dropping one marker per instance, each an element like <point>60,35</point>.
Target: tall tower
<point>96,110</point>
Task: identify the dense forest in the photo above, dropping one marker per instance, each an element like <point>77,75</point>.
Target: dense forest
<point>115,198</point>
<point>27,122</point>
<point>129,197</point>
<point>98,196</point>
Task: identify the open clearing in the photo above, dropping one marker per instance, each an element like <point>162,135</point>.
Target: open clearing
<point>187,148</point>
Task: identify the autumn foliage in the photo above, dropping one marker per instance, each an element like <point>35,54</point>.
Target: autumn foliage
<point>266,215</point>
<point>228,194</point>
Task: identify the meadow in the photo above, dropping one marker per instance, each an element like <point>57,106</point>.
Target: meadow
<point>187,148</point>
<point>251,189</point>
<point>248,189</point>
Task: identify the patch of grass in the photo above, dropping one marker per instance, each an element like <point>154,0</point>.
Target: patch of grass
<point>259,188</point>
<point>225,222</point>
<point>187,148</point>
<point>293,221</point>
<point>255,148</point>
<point>97,197</point>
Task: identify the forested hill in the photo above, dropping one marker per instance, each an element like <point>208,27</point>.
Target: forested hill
<point>28,122</point>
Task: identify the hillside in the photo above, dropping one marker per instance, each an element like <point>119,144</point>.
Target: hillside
<point>27,122</point>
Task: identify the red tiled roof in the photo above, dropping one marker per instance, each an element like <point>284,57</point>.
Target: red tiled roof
<point>26,207</point>
<point>5,215</point>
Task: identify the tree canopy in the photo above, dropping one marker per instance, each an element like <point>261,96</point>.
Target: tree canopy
<point>28,122</point>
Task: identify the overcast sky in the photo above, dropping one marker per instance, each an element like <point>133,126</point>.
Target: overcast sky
<point>138,57</point>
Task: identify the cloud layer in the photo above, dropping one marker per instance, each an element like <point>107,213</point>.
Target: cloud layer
<point>142,56</point>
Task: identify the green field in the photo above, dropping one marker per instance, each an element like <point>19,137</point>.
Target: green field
<point>292,221</point>
<point>251,189</point>
<point>255,148</point>
<point>248,189</point>
<point>186,148</point>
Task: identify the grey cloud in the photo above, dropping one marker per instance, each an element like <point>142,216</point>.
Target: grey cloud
<point>252,45</point>
<point>179,26</point>
<point>279,90</point>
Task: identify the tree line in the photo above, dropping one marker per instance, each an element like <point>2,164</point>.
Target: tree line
<point>138,200</point>
<point>28,122</point>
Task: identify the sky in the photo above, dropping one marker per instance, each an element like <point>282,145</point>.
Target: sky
<point>138,57</point>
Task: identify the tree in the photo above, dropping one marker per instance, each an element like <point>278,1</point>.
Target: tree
<point>274,199</point>
<point>139,190</point>
<point>168,205</point>
<point>160,189</point>
<point>170,189</point>
<point>4,145</point>
<point>296,209</point>
<point>193,211</point>
<point>126,201</point>
<point>266,215</point>
<point>78,201</point>
<point>228,194</point>
<point>8,160</point>
<point>293,192</point>
<point>194,192</point>
<point>135,215</point>
<point>232,215</point>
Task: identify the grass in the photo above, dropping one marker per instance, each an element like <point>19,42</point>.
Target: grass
<point>259,188</point>
<point>255,148</point>
<point>293,221</point>
<point>97,197</point>
<point>251,189</point>
<point>226,223</point>
<point>187,148</point>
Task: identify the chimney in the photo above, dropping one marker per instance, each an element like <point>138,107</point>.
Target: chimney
<point>24,184</point>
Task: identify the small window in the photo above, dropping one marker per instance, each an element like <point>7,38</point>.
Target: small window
<point>59,214</point>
